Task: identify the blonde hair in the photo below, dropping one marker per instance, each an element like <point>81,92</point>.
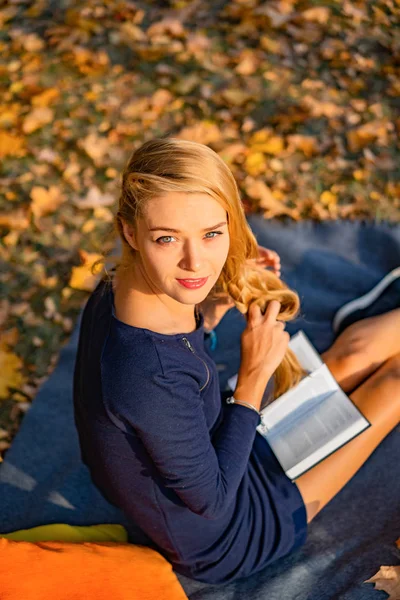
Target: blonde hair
<point>173,165</point>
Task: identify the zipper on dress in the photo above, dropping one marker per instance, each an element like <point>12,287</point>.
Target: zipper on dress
<point>189,345</point>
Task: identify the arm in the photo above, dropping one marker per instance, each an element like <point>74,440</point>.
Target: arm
<point>166,412</point>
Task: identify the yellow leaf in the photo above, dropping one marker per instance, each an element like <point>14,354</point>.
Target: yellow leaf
<point>204,132</point>
<point>45,98</point>
<point>274,145</point>
<point>255,163</point>
<point>94,199</point>
<point>11,239</point>
<point>11,145</point>
<point>96,147</point>
<point>82,277</point>
<point>235,96</point>
<point>32,43</point>
<point>258,190</point>
<point>10,367</point>
<point>328,199</point>
<point>6,14</point>
<point>367,133</point>
<point>37,118</point>
<point>248,63</point>
<point>16,219</point>
<point>306,143</point>
<point>319,14</point>
<point>45,201</point>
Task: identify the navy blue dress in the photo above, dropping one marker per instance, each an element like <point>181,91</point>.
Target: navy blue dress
<point>191,471</point>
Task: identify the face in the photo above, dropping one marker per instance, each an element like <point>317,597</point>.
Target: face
<point>182,237</point>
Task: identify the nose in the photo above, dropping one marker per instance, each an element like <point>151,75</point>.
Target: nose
<point>192,259</point>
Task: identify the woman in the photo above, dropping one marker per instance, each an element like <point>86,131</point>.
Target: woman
<point>154,432</point>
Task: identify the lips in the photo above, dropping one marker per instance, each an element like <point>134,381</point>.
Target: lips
<point>193,283</point>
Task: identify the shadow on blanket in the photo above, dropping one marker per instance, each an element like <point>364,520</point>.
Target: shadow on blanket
<point>42,479</point>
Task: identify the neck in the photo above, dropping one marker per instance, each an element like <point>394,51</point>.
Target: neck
<point>140,307</point>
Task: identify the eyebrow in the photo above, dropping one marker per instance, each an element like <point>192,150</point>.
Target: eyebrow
<point>177,230</point>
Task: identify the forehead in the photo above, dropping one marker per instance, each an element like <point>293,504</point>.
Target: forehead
<point>182,211</point>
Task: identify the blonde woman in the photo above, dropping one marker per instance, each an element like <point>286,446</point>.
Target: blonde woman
<point>155,432</point>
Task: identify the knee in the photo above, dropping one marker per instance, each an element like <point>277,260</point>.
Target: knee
<point>391,368</point>
<point>349,355</point>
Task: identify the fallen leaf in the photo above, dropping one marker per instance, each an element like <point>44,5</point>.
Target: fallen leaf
<point>32,43</point>
<point>94,199</point>
<point>82,277</point>
<point>10,369</point>
<point>96,147</point>
<point>255,163</point>
<point>37,118</point>
<point>236,96</point>
<point>368,133</point>
<point>11,145</point>
<point>46,97</point>
<point>319,14</point>
<point>388,580</point>
<point>45,201</point>
<point>306,143</point>
<point>16,219</point>
<point>258,190</point>
<point>327,198</point>
<point>204,132</point>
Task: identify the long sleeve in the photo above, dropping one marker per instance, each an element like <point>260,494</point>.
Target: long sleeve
<point>166,413</point>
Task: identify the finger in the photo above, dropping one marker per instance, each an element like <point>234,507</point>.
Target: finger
<point>273,310</point>
<point>254,312</point>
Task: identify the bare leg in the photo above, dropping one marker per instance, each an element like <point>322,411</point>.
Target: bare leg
<point>378,398</point>
<point>362,348</point>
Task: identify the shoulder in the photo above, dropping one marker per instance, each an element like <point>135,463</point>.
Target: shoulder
<point>134,371</point>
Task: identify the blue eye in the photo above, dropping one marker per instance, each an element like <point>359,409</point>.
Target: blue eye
<point>217,232</point>
<point>163,238</point>
<point>163,243</point>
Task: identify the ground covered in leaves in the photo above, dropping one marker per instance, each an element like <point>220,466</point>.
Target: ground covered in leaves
<point>301,99</point>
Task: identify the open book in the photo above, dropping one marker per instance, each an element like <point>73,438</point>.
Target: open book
<point>312,419</point>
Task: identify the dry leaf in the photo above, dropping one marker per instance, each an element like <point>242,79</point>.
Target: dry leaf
<point>367,133</point>
<point>45,201</point>
<point>10,367</point>
<point>46,97</point>
<point>11,145</point>
<point>235,96</point>
<point>258,190</point>
<point>96,147</point>
<point>327,198</point>
<point>319,14</point>
<point>388,580</point>
<point>248,63</point>
<point>161,99</point>
<point>94,199</point>
<point>306,143</point>
<point>16,219</point>
<point>82,277</point>
<point>37,118</point>
<point>32,43</point>
<point>204,132</point>
<point>255,163</point>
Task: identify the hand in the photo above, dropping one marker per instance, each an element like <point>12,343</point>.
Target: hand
<point>264,342</point>
<point>214,310</point>
<point>268,258</point>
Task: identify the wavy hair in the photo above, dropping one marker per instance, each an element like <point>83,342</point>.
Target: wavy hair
<point>165,165</point>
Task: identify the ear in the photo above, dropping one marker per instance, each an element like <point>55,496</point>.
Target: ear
<point>129,234</point>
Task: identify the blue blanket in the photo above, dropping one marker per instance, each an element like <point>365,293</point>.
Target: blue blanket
<point>42,479</point>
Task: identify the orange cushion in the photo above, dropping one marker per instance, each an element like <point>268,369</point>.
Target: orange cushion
<point>82,571</point>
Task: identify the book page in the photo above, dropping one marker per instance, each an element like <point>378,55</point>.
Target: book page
<point>303,349</point>
<point>307,355</point>
<point>318,422</point>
